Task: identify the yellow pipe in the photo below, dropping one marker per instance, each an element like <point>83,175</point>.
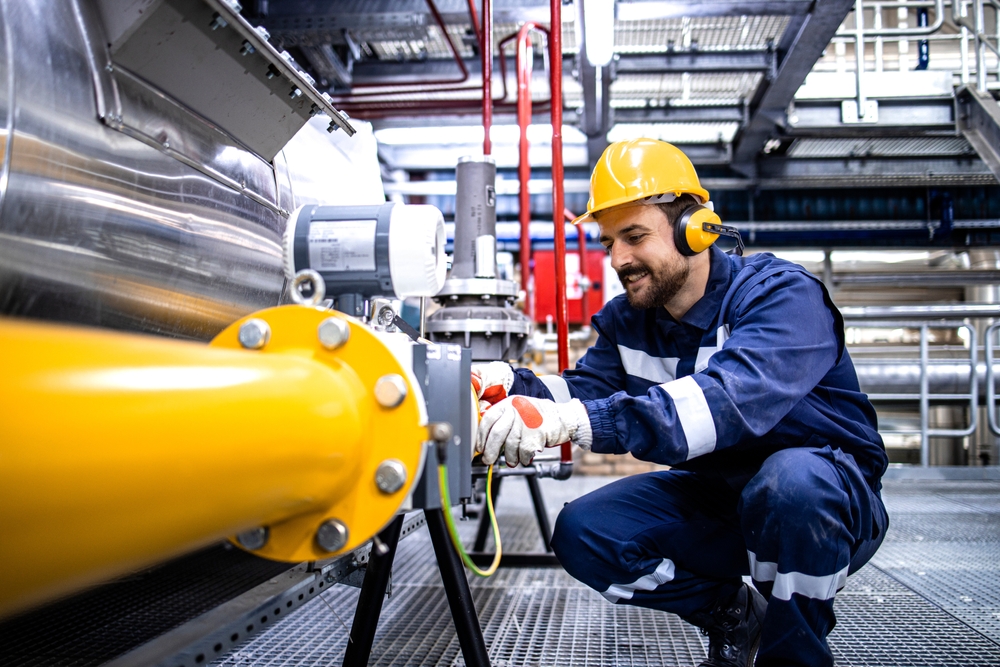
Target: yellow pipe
<point>118,450</point>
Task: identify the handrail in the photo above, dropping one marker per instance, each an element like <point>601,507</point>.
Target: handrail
<point>925,396</point>
<point>991,399</point>
<point>903,32</point>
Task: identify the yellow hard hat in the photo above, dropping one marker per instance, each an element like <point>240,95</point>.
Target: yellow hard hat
<point>637,169</point>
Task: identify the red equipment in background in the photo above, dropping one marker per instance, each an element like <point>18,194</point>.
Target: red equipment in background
<point>545,288</point>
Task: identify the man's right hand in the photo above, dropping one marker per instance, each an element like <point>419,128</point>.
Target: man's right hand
<point>491,381</point>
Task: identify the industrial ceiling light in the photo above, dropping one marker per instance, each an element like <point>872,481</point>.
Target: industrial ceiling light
<point>599,31</point>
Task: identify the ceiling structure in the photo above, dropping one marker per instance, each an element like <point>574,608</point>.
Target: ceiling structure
<point>766,90</point>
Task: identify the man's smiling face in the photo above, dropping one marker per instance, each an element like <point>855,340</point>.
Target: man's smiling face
<point>641,244</point>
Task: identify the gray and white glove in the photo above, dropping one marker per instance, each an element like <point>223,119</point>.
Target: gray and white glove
<point>524,426</point>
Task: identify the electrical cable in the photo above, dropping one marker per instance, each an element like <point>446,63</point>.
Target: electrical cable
<point>450,520</point>
<point>453,530</point>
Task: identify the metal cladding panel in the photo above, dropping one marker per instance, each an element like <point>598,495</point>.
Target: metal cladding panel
<point>98,228</point>
<point>177,50</point>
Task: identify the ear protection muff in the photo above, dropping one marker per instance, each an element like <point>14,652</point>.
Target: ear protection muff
<point>698,227</point>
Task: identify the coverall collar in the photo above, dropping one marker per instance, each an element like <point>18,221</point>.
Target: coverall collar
<point>705,311</point>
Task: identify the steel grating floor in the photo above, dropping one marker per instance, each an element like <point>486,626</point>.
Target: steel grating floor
<point>929,598</point>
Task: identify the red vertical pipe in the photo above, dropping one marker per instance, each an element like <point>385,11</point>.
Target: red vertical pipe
<point>487,51</point>
<point>523,166</point>
<point>581,240</point>
<point>558,199</point>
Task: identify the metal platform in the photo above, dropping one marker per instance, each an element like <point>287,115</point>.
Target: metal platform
<point>930,597</point>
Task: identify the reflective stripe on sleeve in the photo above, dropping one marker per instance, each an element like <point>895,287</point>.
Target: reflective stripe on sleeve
<point>664,572</point>
<point>694,415</point>
<point>557,387</point>
<point>807,585</point>
<point>641,365</point>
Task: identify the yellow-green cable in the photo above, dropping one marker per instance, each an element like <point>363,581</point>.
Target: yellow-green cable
<point>453,531</point>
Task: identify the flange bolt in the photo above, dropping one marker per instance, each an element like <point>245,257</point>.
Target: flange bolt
<point>390,476</point>
<point>332,535</point>
<point>333,333</point>
<point>254,334</point>
<point>390,390</point>
<point>254,539</point>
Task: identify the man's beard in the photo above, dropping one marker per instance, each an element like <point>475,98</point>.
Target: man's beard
<point>661,288</point>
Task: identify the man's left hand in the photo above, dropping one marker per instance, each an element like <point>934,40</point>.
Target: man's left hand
<point>524,426</point>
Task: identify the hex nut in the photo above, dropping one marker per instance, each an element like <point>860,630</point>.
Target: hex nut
<point>390,476</point>
<point>332,535</point>
<point>333,333</point>
<point>254,334</point>
<point>390,390</point>
<point>254,539</point>
<point>440,431</point>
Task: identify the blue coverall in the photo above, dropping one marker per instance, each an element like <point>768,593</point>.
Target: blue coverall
<point>775,456</point>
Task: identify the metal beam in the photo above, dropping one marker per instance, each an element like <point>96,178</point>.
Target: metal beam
<point>780,172</point>
<point>700,62</point>
<point>644,10</point>
<point>416,71</point>
<point>804,49</point>
<point>905,117</point>
<point>979,123</point>
<point>335,15</point>
<point>681,114</point>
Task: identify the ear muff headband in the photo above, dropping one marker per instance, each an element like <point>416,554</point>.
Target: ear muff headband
<point>698,227</point>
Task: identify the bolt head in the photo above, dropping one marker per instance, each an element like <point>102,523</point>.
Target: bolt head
<point>390,476</point>
<point>440,431</point>
<point>390,390</point>
<point>332,535</point>
<point>296,92</point>
<point>254,539</point>
<point>254,334</point>
<point>333,333</point>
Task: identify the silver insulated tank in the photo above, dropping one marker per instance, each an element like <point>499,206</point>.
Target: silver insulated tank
<point>127,200</point>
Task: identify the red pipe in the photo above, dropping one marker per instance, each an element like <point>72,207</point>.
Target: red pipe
<point>558,198</point>
<point>475,23</point>
<point>581,240</point>
<point>524,166</point>
<point>487,52</point>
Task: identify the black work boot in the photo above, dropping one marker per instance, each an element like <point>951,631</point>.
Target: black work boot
<point>733,629</point>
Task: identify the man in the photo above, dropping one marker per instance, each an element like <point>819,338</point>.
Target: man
<point>733,371</point>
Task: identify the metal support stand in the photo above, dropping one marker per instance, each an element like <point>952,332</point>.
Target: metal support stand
<point>362,635</point>
<point>540,512</point>
<point>456,586</point>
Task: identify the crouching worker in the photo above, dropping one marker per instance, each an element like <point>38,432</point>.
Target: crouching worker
<point>733,371</point>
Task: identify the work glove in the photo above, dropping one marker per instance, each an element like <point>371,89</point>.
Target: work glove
<point>491,381</point>
<point>524,426</point>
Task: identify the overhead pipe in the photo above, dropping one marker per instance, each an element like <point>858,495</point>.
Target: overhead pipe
<point>487,54</point>
<point>164,446</point>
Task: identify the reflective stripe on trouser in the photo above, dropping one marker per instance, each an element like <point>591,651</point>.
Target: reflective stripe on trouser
<point>680,541</point>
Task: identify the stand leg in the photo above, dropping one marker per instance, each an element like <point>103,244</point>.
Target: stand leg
<point>541,513</point>
<point>484,518</point>
<point>362,636</point>
<point>463,611</point>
